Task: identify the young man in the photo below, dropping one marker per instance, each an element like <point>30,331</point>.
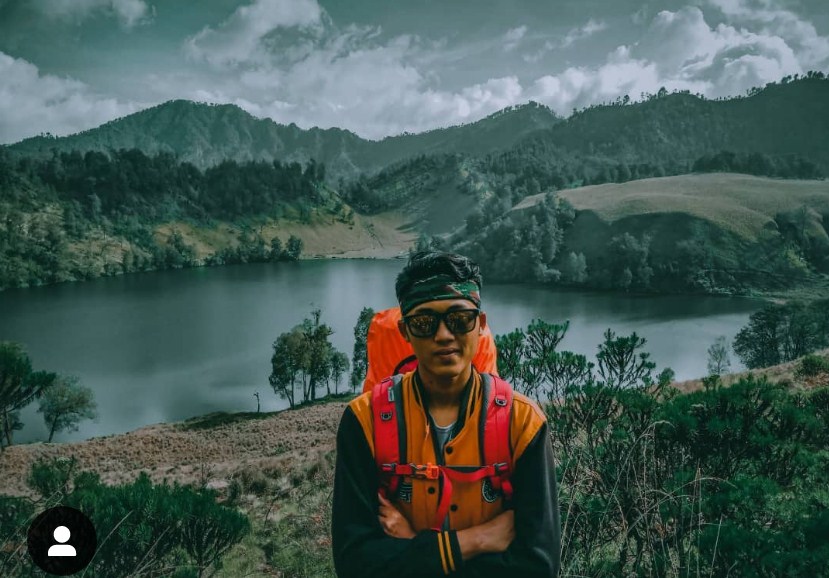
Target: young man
<point>442,414</point>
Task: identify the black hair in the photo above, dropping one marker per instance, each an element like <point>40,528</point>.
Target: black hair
<point>426,263</point>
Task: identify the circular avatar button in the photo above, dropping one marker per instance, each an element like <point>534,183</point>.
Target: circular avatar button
<point>62,541</point>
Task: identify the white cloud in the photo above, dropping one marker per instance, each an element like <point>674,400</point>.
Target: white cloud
<point>513,36</point>
<point>242,38</point>
<point>288,61</point>
<point>583,32</point>
<point>352,82</point>
<point>679,51</point>
<point>31,103</point>
<point>576,34</point>
<point>128,12</point>
<point>770,20</point>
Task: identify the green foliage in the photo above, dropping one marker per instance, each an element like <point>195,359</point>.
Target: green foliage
<point>812,365</point>
<point>19,385</point>
<point>359,355</point>
<point>725,481</point>
<point>339,366</point>
<point>143,529</point>
<point>526,359</point>
<point>15,516</point>
<point>298,543</point>
<point>51,478</point>
<point>621,363</point>
<point>82,215</point>
<point>719,361</point>
<point>66,403</point>
<point>294,248</point>
<point>305,357</point>
<point>530,362</point>
<point>787,167</point>
<point>781,333</point>
<point>517,248</point>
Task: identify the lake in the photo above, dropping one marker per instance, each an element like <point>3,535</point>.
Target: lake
<point>166,346</point>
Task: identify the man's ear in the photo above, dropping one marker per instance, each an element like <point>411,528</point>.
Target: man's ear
<point>482,324</point>
<point>401,327</point>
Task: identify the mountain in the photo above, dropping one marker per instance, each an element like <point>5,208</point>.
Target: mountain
<point>785,119</point>
<point>205,135</point>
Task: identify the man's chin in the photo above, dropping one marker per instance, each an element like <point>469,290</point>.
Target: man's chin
<point>445,371</point>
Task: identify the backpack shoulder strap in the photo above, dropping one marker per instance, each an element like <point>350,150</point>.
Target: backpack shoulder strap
<point>497,448</point>
<point>389,429</point>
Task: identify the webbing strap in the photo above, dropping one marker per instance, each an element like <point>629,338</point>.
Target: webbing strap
<point>386,440</point>
<point>496,444</point>
<point>496,432</point>
<point>446,474</point>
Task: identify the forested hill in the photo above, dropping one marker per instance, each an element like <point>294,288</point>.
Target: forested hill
<point>780,130</point>
<point>781,119</point>
<point>206,135</point>
<point>662,134</point>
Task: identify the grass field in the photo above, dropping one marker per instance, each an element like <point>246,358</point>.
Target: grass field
<point>740,204</point>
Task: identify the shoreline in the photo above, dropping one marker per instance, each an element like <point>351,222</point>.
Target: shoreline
<point>817,289</point>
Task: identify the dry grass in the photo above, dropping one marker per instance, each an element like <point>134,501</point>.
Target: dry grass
<point>376,236</point>
<point>741,204</point>
<point>783,373</point>
<point>172,452</point>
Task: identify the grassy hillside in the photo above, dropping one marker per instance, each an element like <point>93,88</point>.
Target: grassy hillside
<point>720,233</point>
<point>740,204</point>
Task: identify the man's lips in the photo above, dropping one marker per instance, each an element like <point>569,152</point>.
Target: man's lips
<point>446,352</point>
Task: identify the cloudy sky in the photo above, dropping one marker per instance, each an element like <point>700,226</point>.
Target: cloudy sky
<point>381,67</point>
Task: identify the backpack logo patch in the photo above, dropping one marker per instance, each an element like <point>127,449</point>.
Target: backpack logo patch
<point>489,493</point>
<point>404,492</point>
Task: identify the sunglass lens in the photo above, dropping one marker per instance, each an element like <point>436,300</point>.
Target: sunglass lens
<point>461,321</point>
<point>422,325</point>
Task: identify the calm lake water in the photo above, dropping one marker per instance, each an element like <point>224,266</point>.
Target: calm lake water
<point>166,346</point>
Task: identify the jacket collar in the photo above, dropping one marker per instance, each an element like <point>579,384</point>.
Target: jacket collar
<point>467,401</point>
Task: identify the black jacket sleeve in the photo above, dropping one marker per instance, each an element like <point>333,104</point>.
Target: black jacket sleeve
<point>362,549</point>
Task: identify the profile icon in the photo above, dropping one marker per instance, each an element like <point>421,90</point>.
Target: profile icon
<point>61,535</point>
<point>62,541</point>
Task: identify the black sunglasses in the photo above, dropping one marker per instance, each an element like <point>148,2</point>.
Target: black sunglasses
<point>458,321</point>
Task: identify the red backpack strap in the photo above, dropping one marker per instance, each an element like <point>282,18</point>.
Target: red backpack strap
<point>406,365</point>
<point>496,441</point>
<point>389,436</point>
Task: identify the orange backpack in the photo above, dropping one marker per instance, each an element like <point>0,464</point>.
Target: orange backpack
<point>389,354</point>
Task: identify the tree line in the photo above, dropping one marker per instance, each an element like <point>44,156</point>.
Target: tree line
<point>79,216</point>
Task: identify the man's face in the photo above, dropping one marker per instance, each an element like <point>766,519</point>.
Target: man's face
<point>444,354</point>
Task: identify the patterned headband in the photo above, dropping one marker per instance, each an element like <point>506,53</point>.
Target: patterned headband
<point>438,288</point>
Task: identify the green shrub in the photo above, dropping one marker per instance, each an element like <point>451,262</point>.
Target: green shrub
<point>144,528</point>
<point>812,365</point>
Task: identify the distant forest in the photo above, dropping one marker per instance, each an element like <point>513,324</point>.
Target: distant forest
<point>80,214</point>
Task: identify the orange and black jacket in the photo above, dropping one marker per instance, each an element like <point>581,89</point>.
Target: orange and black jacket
<point>363,550</point>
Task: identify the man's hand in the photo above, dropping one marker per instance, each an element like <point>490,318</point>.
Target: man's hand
<point>493,536</point>
<point>394,523</point>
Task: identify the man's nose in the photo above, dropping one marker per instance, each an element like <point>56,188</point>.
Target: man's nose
<point>443,332</point>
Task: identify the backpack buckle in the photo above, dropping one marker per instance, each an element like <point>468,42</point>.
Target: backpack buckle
<point>428,471</point>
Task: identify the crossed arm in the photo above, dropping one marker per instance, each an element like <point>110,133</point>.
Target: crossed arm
<point>371,538</point>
